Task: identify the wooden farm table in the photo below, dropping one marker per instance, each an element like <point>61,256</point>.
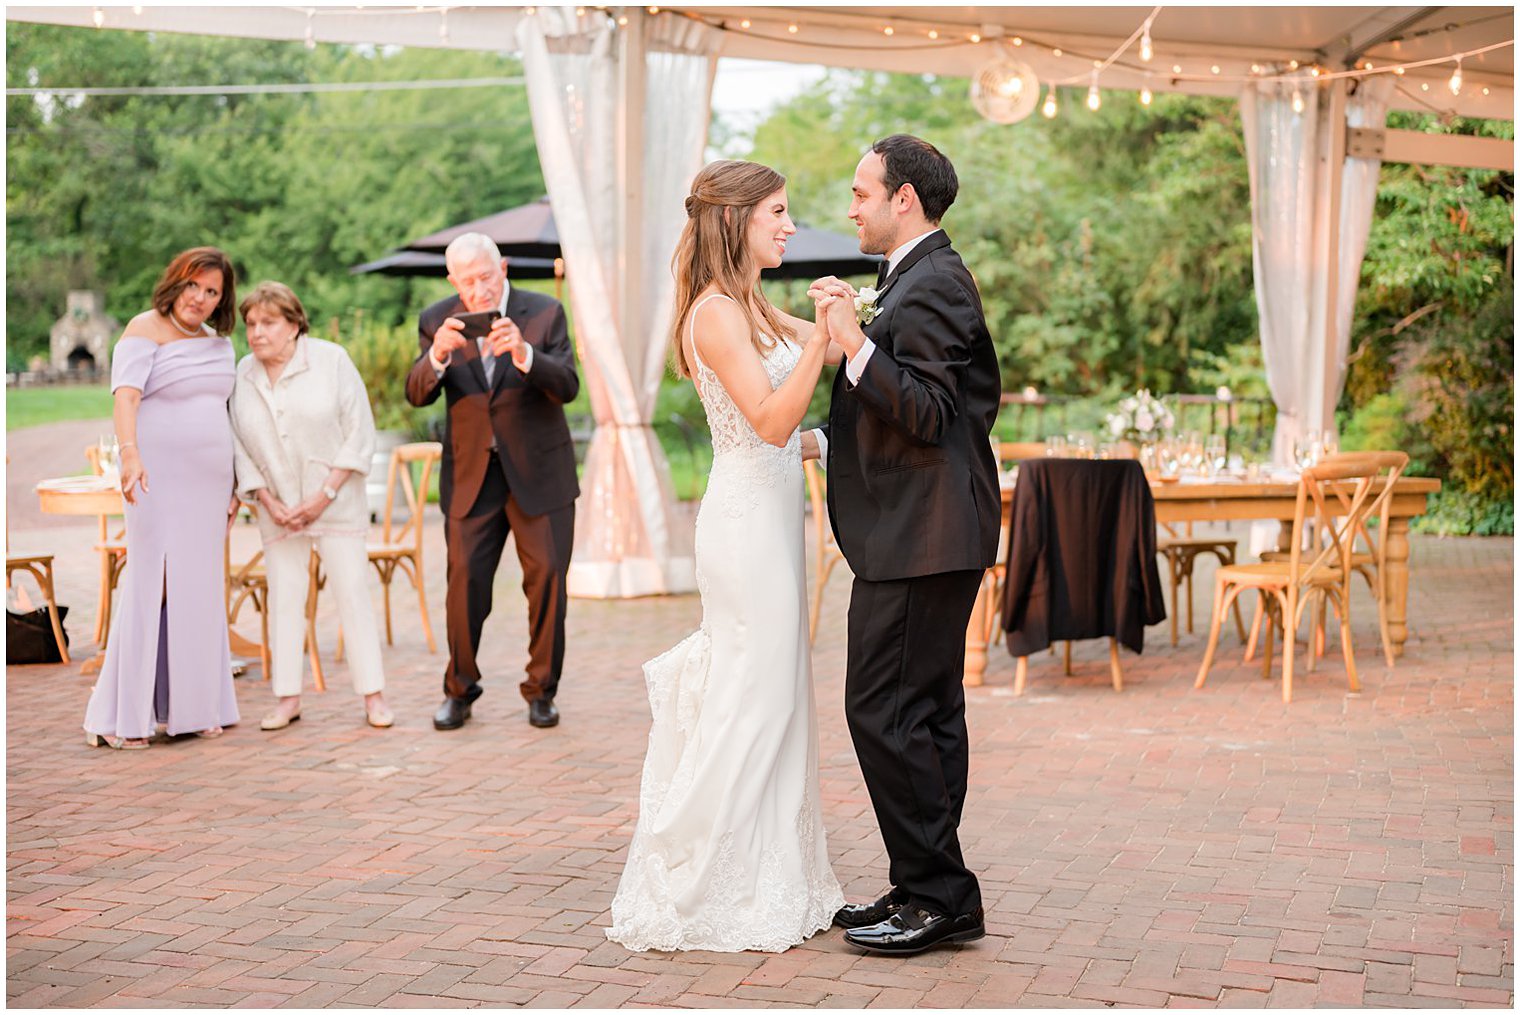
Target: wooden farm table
<point>97,495</point>
<point>1230,500</point>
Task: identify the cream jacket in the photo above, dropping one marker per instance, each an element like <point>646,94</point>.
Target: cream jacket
<point>288,436</point>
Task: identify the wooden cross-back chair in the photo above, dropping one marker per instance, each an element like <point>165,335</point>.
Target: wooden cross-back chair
<point>1342,492</point>
<point>111,544</point>
<point>40,567</point>
<point>1371,562</point>
<point>400,545</point>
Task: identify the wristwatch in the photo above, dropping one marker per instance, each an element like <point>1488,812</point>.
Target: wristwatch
<point>329,492</point>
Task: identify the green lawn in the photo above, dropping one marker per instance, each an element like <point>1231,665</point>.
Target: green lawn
<point>34,406</point>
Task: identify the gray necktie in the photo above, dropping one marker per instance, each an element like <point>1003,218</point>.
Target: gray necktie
<point>487,361</point>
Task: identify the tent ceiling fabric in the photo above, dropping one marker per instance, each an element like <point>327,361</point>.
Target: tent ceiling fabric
<point>1197,38</point>
<point>1194,37</point>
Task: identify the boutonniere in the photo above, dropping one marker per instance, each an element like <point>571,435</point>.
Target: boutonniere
<point>865,305</point>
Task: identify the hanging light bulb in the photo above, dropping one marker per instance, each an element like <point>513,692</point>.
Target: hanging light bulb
<point>744,24</point>
<point>1298,101</point>
<point>98,16</point>
<point>1146,51</point>
<point>1145,96</point>
<point>1049,109</point>
<point>1455,84</point>
<point>1094,100</point>
<point>933,34</point>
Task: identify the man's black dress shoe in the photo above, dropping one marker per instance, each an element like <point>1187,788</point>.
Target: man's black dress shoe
<point>542,713</point>
<point>451,714</point>
<point>912,930</point>
<point>867,914</point>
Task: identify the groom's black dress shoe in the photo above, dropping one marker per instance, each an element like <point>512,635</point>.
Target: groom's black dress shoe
<point>451,714</point>
<point>542,713</point>
<point>912,930</point>
<point>870,913</point>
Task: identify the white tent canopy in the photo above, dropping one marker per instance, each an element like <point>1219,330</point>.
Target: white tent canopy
<point>1314,144</point>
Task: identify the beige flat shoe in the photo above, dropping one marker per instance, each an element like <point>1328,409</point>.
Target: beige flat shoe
<point>381,719</point>
<point>275,721</point>
<point>210,734</point>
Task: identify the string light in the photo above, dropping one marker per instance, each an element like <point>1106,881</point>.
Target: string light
<point>1146,52</point>
<point>1018,41</point>
<point>1145,95</point>
<point>137,8</point>
<point>1055,52</point>
<point>1255,68</point>
<point>98,16</point>
<point>933,33</point>
<point>1176,68</point>
<point>888,31</point>
<point>1293,65</point>
<point>1094,100</point>
<point>1214,69</point>
<point>622,20</point>
<point>1455,84</point>
<point>792,29</point>
<point>976,36</point>
<point>1049,109</point>
<point>531,11</point>
<point>1298,101</point>
<point>744,24</point>
<point>653,10</point>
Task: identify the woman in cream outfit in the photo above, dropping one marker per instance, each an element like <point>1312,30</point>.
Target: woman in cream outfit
<point>303,437</point>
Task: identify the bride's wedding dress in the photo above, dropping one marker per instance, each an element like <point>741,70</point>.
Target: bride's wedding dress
<point>729,851</point>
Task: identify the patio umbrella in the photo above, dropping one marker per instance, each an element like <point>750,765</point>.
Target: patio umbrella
<point>528,231</point>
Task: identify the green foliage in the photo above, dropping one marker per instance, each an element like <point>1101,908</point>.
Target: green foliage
<point>102,191</point>
<point>383,354</point>
<point>1111,248</point>
<point>35,406</point>
<point>1461,513</point>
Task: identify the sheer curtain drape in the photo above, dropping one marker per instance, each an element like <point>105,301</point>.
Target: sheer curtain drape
<point>629,540</point>
<point>1286,152</point>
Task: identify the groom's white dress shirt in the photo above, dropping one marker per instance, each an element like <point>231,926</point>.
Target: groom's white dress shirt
<point>855,365</point>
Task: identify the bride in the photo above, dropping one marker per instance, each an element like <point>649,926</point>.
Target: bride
<point>729,852</point>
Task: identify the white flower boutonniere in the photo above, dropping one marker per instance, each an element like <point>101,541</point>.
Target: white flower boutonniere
<point>865,305</point>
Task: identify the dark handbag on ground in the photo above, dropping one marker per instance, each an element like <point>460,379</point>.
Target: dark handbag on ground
<point>29,636</point>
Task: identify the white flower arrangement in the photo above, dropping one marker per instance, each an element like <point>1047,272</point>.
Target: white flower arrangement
<point>1141,417</point>
<point>865,305</point>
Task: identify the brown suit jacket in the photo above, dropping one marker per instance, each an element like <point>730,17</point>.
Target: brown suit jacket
<point>525,412</point>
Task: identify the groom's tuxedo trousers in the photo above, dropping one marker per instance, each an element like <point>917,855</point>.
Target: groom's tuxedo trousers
<point>508,468</point>
<point>913,500</point>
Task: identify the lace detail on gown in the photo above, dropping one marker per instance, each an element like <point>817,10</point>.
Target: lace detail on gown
<point>729,853</point>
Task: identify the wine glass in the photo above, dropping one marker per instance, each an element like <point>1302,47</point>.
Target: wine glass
<point>1215,456</point>
<point>1055,446</point>
<point>1168,459</point>
<point>1306,449</point>
<point>108,455</point>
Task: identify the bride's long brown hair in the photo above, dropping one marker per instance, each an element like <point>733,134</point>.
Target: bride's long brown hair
<point>714,250</point>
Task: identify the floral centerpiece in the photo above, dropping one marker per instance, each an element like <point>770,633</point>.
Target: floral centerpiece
<point>1141,418</point>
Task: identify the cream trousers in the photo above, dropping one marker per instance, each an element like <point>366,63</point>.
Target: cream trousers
<point>345,563</point>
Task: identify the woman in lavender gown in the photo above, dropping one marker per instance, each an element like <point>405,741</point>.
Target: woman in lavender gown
<point>167,660</point>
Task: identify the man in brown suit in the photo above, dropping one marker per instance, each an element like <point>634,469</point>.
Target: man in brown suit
<point>508,465</point>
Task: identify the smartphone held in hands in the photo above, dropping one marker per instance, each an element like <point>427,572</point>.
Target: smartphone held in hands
<point>477,324</point>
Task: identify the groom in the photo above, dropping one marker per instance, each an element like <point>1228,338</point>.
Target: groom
<point>913,499</point>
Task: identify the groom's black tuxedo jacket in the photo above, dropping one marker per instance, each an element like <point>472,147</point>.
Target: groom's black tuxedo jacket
<point>523,412</point>
<point>913,486</point>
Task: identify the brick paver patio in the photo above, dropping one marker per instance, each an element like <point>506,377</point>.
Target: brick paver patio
<point>1159,847</point>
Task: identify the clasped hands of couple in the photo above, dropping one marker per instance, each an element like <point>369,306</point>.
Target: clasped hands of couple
<point>834,305</point>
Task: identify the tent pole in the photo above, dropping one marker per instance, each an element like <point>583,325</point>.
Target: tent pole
<point>1330,202</point>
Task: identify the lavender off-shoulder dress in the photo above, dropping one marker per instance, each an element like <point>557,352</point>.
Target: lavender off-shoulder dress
<point>167,659</point>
